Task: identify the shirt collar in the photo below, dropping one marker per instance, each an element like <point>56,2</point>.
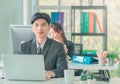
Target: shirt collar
<point>42,45</point>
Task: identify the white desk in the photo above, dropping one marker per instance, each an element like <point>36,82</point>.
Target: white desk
<point>61,80</point>
<point>72,65</point>
<point>51,81</point>
<point>89,67</point>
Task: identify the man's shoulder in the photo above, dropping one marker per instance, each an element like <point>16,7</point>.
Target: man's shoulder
<point>55,43</point>
<point>26,42</point>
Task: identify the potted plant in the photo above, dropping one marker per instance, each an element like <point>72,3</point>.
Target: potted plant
<point>111,57</point>
<point>83,79</point>
<point>91,75</point>
<point>91,78</point>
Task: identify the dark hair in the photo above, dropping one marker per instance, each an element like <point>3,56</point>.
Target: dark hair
<point>39,15</point>
<point>57,27</point>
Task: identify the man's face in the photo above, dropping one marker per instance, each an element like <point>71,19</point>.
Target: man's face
<point>40,28</point>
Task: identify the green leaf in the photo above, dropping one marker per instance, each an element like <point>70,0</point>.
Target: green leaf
<point>112,55</point>
<point>83,77</point>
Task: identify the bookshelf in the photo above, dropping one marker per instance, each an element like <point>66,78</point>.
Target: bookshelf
<point>80,35</point>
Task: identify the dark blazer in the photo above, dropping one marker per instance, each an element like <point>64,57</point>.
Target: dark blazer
<point>54,55</point>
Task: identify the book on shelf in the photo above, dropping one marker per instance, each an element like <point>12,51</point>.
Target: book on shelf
<point>57,17</point>
<point>84,59</point>
<point>95,24</point>
<point>61,17</point>
<point>89,51</point>
<point>99,25</point>
<point>84,22</point>
<point>89,23</point>
<point>81,59</point>
<point>81,22</point>
<point>54,17</point>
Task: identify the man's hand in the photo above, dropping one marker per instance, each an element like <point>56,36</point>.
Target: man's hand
<point>49,74</point>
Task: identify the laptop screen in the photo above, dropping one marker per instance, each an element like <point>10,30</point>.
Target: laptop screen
<point>24,67</point>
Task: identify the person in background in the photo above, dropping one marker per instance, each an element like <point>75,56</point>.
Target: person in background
<point>53,51</point>
<point>57,34</point>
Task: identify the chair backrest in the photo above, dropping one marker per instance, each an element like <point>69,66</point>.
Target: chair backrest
<point>20,33</point>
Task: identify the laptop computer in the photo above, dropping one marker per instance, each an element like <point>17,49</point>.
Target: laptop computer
<point>24,67</point>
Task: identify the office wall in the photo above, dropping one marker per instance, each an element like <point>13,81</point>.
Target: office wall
<point>10,13</point>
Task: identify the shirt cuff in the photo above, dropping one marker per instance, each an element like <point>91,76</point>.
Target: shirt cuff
<point>53,74</point>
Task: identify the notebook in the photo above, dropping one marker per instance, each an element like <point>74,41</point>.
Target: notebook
<point>24,67</point>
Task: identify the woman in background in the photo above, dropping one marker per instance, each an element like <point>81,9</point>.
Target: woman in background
<point>57,33</point>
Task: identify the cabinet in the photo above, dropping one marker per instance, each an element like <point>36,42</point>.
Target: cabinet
<point>77,36</point>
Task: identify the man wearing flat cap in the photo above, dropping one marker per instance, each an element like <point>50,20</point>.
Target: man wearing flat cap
<point>53,52</point>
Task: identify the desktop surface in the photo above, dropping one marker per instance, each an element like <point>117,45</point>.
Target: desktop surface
<point>51,81</point>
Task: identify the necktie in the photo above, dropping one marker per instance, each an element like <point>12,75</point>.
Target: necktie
<point>39,50</point>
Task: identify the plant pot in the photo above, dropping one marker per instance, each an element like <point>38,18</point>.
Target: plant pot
<point>93,81</point>
<point>101,61</point>
<point>110,61</point>
<point>83,82</point>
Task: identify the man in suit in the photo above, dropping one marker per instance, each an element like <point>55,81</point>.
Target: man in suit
<point>54,54</point>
